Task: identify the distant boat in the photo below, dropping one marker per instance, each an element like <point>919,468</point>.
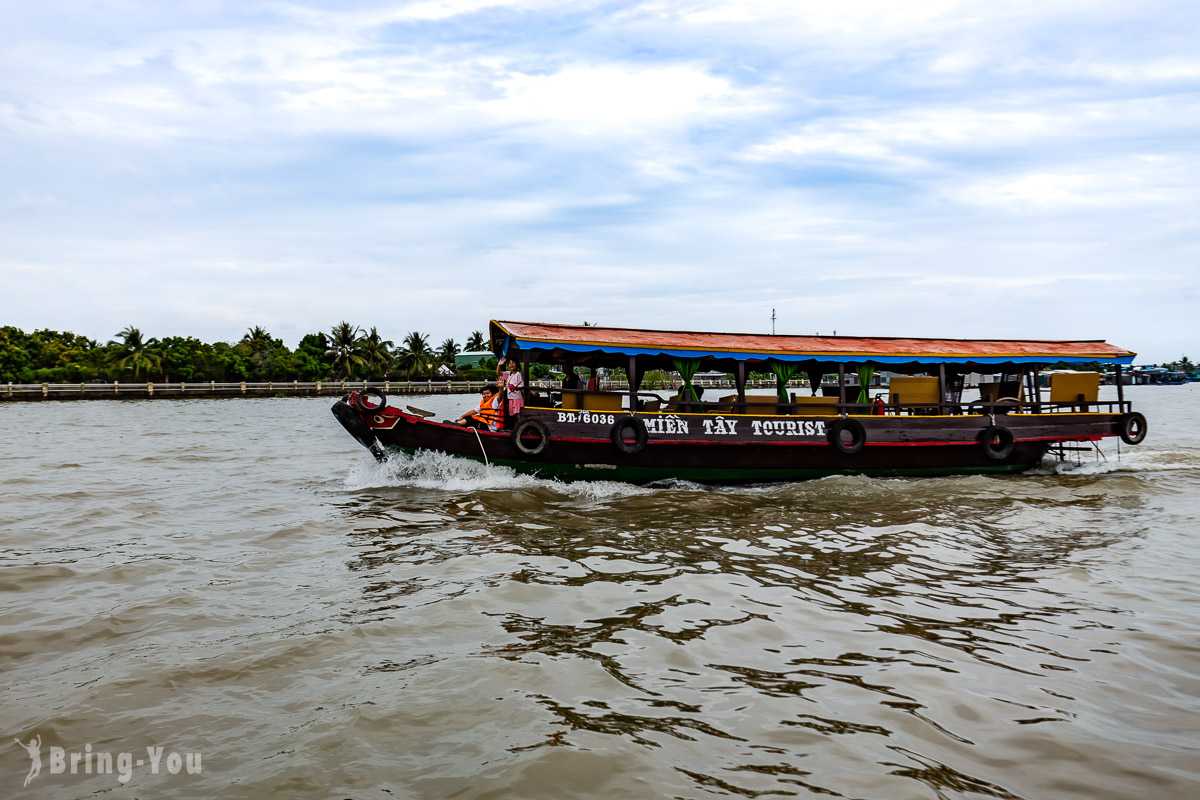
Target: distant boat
<point>923,428</point>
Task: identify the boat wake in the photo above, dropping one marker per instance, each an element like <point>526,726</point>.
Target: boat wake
<point>1129,461</point>
<point>439,471</point>
<point>429,470</point>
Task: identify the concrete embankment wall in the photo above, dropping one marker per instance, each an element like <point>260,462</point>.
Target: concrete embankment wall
<point>176,390</point>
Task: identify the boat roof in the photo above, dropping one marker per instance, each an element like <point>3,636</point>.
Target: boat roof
<point>604,344</point>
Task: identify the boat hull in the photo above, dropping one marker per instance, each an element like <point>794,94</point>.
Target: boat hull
<point>750,450</point>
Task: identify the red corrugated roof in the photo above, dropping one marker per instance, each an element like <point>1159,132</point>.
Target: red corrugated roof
<point>813,346</point>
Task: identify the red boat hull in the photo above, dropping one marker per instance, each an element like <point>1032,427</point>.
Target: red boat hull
<point>710,448</point>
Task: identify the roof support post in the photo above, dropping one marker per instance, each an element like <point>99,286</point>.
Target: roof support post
<point>941,389</point>
<point>740,381</point>
<point>841,388</point>
<point>525,375</point>
<point>633,384</point>
<point>1120,390</point>
<point>1035,391</point>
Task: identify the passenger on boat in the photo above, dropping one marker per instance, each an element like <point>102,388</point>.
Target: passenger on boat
<point>593,384</point>
<point>571,380</point>
<point>513,389</point>
<point>486,415</point>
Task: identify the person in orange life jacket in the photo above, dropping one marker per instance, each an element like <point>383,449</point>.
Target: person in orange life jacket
<point>485,416</point>
<point>878,407</point>
<point>593,384</point>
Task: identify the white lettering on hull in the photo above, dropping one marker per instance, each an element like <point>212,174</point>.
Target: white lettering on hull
<point>666,424</point>
<point>658,425</point>
<point>787,427</point>
<point>721,426</point>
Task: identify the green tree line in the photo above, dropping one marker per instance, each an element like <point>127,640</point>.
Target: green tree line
<point>1184,364</point>
<point>345,352</point>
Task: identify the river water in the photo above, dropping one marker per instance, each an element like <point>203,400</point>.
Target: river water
<point>237,578</point>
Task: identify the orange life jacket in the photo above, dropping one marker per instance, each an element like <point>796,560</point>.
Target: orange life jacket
<point>486,414</point>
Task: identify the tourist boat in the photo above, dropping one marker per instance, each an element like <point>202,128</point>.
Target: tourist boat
<point>922,427</point>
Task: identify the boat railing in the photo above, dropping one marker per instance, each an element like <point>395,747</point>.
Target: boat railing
<point>654,402</point>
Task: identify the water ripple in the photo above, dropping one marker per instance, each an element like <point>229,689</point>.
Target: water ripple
<point>319,625</point>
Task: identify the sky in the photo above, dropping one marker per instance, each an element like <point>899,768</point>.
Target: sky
<point>1024,169</point>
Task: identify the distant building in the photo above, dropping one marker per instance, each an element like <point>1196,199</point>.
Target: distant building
<point>472,358</point>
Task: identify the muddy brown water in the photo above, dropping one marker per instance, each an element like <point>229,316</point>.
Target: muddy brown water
<point>237,578</point>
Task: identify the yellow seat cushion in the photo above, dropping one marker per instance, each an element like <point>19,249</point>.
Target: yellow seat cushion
<point>816,406</point>
<point>592,401</point>
<point>1065,387</point>
<point>913,389</point>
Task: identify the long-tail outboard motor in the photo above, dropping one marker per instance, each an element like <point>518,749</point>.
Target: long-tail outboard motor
<point>346,413</point>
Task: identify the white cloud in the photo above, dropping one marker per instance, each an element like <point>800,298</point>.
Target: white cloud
<point>924,139</point>
<point>684,163</point>
<point>1153,70</point>
<point>911,138</point>
<point>621,100</point>
<point>1137,181</point>
<point>859,20</point>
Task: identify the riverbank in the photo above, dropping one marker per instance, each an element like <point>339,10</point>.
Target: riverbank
<point>215,389</point>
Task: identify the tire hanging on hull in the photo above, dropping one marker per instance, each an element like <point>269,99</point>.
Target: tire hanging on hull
<point>365,407</point>
<point>531,426</point>
<point>857,440</point>
<point>997,442</point>
<point>640,435</point>
<point>1133,428</point>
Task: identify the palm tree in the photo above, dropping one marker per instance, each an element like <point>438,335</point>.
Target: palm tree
<point>259,339</point>
<point>137,353</point>
<point>475,342</point>
<point>344,349</point>
<point>414,356</point>
<point>447,352</point>
<point>376,352</point>
<point>260,344</point>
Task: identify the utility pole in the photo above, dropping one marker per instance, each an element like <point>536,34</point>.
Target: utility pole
<point>772,322</point>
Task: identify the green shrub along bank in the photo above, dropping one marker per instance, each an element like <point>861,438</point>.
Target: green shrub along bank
<point>346,352</point>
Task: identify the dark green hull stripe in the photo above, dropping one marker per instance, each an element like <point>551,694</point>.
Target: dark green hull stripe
<point>729,475</point>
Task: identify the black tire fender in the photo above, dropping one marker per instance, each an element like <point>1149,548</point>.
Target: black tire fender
<point>997,442</point>
<point>640,435</point>
<point>366,408</point>
<point>525,428</point>
<point>858,436</point>
<point>1133,427</point>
